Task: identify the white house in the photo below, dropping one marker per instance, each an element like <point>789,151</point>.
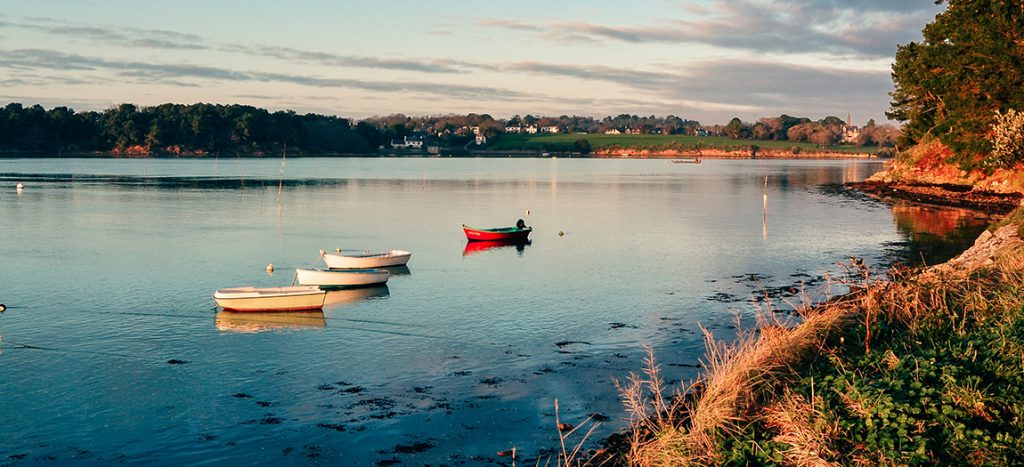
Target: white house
<point>531,130</point>
<point>613,131</point>
<point>481,139</point>
<point>550,129</point>
<point>850,134</point>
<point>407,143</point>
<point>475,130</point>
<point>514,129</point>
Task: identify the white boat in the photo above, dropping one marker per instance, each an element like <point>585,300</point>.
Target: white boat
<point>350,259</point>
<point>271,298</point>
<point>342,278</point>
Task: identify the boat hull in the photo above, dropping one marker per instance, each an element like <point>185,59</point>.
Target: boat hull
<point>367,259</point>
<point>250,299</point>
<point>342,278</point>
<point>510,234</point>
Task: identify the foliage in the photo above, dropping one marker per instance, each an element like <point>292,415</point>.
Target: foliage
<point>969,64</point>
<point>925,368</point>
<point>582,146</point>
<point>1007,139</point>
<point>175,128</point>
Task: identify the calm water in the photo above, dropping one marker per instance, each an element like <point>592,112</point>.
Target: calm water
<point>108,267</point>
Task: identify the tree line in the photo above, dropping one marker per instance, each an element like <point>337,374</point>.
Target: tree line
<point>177,128</point>
<point>207,129</point>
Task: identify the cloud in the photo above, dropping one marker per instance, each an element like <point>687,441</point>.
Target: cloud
<point>170,40</point>
<point>354,61</point>
<point>868,29</point>
<point>778,88</point>
<point>182,72</point>
<point>628,77</point>
<point>123,36</point>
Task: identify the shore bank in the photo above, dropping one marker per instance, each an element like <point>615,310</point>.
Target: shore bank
<point>746,153</point>
<point>614,153</point>
<point>917,366</point>
<point>959,196</point>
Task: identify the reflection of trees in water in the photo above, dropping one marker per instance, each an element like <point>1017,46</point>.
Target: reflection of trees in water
<point>936,234</point>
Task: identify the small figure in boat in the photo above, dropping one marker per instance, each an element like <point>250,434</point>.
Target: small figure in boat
<point>520,224</point>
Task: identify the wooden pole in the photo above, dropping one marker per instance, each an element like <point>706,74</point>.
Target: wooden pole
<point>764,211</point>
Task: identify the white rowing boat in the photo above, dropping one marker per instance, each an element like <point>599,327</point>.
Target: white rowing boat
<point>342,278</point>
<point>349,259</point>
<point>271,298</point>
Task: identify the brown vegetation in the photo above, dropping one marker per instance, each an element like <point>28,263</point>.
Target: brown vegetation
<point>746,382</point>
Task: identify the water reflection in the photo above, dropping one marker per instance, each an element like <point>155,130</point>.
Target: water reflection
<point>253,322</point>
<point>402,270</point>
<point>341,297</point>
<point>473,248</point>
<point>937,234</point>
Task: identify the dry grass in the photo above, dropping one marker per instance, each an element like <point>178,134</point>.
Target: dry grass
<point>805,429</point>
<point>746,380</point>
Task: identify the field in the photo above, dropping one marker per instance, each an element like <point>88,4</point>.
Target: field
<point>564,142</point>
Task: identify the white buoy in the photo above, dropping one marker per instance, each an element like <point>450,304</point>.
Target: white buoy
<point>3,308</point>
<point>337,250</point>
<point>527,212</point>
<point>270,267</point>
<point>19,186</point>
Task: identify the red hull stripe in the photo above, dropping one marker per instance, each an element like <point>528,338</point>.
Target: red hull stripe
<point>482,235</point>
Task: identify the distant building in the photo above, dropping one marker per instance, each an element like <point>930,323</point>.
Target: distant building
<point>550,129</point>
<point>514,129</point>
<point>475,130</point>
<point>407,143</point>
<point>613,131</point>
<point>531,130</point>
<point>481,140</point>
<point>851,133</point>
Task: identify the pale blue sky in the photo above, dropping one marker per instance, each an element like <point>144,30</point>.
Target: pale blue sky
<point>704,60</point>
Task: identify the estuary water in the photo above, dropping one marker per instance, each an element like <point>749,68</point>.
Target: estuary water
<point>112,350</point>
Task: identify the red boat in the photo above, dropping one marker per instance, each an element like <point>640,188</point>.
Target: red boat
<point>503,234</point>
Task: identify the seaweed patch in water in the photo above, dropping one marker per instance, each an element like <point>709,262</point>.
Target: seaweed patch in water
<point>413,448</point>
<point>332,426</point>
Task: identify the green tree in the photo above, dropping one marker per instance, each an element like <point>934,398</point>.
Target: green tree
<point>736,129</point>
<point>969,65</point>
<point>582,146</point>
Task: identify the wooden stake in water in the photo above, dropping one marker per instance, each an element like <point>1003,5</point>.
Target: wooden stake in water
<point>766,199</point>
<point>280,181</point>
<point>764,210</point>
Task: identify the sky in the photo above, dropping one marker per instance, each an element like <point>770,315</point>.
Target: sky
<point>702,60</point>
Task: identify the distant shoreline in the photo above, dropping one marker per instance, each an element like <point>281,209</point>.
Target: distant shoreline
<point>601,154</point>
